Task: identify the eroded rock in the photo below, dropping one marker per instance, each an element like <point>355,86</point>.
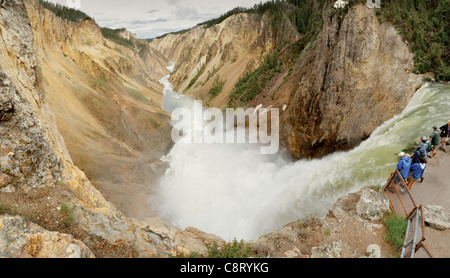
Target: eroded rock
<point>372,205</point>
<point>436,217</point>
<point>19,239</point>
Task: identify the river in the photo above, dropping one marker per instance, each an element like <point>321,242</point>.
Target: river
<point>234,191</point>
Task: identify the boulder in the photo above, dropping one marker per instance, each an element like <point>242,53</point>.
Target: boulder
<point>436,217</point>
<point>19,239</point>
<point>332,250</point>
<point>373,251</point>
<point>372,205</point>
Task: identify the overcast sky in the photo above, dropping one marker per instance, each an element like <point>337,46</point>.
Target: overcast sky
<point>152,18</point>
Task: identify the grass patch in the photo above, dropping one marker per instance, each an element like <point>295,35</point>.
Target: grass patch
<point>396,229</point>
<point>113,35</point>
<point>217,87</point>
<point>234,249</point>
<point>138,96</point>
<point>67,211</point>
<point>4,209</point>
<point>97,82</point>
<point>194,80</point>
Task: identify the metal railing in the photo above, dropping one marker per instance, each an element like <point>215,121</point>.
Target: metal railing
<point>415,235</point>
<point>415,232</point>
<point>394,183</point>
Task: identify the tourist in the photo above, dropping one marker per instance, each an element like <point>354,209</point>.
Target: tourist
<point>435,141</point>
<point>417,171</point>
<point>404,165</point>
<point>417,151</point>
<point>445,131</point>
<point>425,147</point>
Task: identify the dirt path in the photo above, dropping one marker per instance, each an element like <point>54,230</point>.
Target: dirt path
<point>435,190</point>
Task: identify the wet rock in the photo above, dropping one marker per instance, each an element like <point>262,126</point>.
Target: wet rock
<point>341,91</point>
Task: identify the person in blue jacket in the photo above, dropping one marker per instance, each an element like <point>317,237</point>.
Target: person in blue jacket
<point>417,171</point>
<point>404,165</point>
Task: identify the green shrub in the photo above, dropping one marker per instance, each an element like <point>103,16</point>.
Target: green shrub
<point>251,84</point>
<point>217,87</point>
<point>194,80</point>
<point>234,249</point>
<point>68,213</point>
<point>396,229</point>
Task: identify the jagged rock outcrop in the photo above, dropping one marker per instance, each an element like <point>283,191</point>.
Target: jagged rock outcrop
<point>106,99</point>
<point>332,250</point>
<point>34,156</point>
<point>223,52</point>
<point>356,75</point>
<point>345,83</point>
<point>19,239</point>
<point>342,233</point>
<point>372,205</point>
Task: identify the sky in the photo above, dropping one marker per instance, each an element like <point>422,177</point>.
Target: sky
<point>152,18</point>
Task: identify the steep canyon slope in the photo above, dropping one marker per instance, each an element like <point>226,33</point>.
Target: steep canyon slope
<point>40,183</point>
<point>336,88</point>
<point>72,99</point>
<point>107,102</point>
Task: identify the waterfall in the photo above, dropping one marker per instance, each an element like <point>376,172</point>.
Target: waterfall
<point>234,191</point>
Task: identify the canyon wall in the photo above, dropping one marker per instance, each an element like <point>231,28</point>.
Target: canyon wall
<point>81,127</point>
<point>48,207</point>
<point>107,103</point>
<point>221,53</point>
<point>355,75</point>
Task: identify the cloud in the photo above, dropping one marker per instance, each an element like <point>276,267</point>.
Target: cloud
<point>151,18</point>
<point>152,12</point>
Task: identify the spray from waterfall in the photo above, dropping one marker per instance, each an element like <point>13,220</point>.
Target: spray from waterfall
<point>234,191</point>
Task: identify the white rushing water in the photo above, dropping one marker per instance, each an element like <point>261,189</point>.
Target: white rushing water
<point>233,191</point>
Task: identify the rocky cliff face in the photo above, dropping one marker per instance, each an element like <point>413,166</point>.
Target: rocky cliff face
<point>222,53</point>
<point>39,180</point>
<point>61,78</point>
<point>107,103</point>
<point>353,77</point>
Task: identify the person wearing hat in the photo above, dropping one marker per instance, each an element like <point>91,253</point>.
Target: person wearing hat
<point>435,141</point>
<point>404,165</point>
<point>445,131</point>
<point>418,152</point>
<point>417,171</point>
<point>425,146</point>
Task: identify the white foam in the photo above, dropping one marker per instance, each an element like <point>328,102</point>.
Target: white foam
<point>233,191</point>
